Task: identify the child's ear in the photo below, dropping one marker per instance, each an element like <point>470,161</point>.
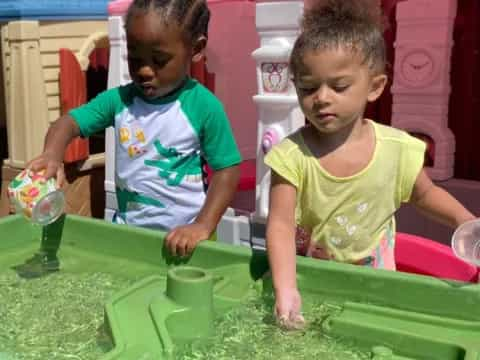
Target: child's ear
<point>199,46</point>
<point>377,86</point>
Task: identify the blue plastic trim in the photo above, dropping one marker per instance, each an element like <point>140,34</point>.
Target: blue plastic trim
<point>52,10</point>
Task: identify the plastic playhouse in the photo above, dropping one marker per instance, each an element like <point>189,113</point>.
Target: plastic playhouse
<point>32,35</point>
<point>120,295</point>
<point>165,304</point>
<point>50,49</point>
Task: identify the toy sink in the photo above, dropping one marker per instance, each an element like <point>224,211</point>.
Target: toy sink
<point>162,304</point>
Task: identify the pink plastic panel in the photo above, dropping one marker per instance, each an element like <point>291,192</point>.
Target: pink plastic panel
<point>118,7</point>
<point>416,254</point>
<point>232,38</point>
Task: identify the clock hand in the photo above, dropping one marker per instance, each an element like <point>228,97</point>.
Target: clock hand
<point>419,66</point>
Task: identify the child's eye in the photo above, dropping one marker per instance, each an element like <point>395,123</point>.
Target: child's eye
<point>133,60</point>
<point>340,88</point>
<point>160,62</point>
<point>307,90</point>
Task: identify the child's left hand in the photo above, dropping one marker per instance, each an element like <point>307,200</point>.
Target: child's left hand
<point>182,240</point>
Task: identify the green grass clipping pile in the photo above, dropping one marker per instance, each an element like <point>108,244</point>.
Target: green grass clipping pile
<point>56,317</point>
<point>61,317</point>
<point>250,332</point>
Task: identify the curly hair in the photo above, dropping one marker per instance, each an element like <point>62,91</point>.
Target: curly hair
<point>192,16</point>
<point>357,25</point>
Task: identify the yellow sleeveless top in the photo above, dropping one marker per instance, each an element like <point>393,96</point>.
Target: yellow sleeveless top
<point>349,215</point>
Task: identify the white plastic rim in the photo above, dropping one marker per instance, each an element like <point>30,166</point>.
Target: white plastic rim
<point>49,208</point>
<point>467,228</point>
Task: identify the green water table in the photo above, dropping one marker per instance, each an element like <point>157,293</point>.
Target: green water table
<point>175,301</point>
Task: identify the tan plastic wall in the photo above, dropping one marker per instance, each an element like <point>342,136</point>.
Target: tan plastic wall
<point>3,110</point>
<point>30,71</point>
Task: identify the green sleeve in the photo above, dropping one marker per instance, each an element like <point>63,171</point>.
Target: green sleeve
<point>217,141</point>
<point>208,119</point>
<point>99,113</point>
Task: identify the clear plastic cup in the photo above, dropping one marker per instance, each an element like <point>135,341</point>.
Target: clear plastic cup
<point>466,242</point>
<point>36,198</point>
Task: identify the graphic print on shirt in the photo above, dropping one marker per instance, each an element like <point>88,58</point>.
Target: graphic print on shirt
<point>124,135</point>
<point>135,147</point>
<point>175,166</point>
<point>381,256</point>
<point>139,135</point>
<point>344,231</point>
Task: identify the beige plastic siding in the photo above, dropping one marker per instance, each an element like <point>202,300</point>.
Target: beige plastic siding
<point>53,114</point>
<point>3,97</point>
<point>3,114</point>
<point>31,67</point>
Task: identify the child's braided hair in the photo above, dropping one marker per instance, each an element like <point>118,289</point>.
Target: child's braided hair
<point>191,15</point>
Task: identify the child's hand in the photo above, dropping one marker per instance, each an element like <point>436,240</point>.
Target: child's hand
<point>288,305</point>
<point>183,239</point>
<point>53,167</point>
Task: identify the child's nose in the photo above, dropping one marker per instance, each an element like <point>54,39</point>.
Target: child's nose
<point>145,73</point>
<point>321,96</point>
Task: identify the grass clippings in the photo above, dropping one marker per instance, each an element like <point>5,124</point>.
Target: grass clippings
<point>250,332</point>
<point>57,317</point>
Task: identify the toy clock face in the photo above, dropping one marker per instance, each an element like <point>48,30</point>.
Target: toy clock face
<point>417,68</point>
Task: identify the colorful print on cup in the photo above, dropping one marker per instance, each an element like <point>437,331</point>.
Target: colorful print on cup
<point>35,197</point>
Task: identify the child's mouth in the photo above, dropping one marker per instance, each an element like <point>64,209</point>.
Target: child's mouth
<point>148,90</point>
<point>325,117</point>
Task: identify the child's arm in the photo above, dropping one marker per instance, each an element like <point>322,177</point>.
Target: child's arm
<point>183,239</point>
<point>87,119</point>
<point>438,204</point>
<point>59,135</point>
<point>281,250</point>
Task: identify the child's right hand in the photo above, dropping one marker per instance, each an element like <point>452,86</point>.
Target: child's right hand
<point>52,165</point>
<point>288,305</point>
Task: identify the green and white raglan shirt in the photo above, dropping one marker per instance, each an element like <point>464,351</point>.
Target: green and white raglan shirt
<point>159,146</point>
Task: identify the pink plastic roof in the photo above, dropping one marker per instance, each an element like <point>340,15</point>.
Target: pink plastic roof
<point>120,7</point>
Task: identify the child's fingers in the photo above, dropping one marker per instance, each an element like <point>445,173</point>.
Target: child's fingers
<point>181,247</point>
<point>182,244</point>
<point>190,246</point>
<point>170,243</point>
<point>177,243</point>
<point>282,320</point>
<point>282,315</point>
<point>36,165</point>
<point>182,241</point>
<point>289,317</point>
<point>11,208</point>
<point>51,170</point>
<point>285,322</point>
<point>297,322</point>
<point>291,322</point>
<point>169,236</point>
<point>60,177</point>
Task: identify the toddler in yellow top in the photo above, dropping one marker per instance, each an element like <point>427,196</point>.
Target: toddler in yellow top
<point>337,182</point>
